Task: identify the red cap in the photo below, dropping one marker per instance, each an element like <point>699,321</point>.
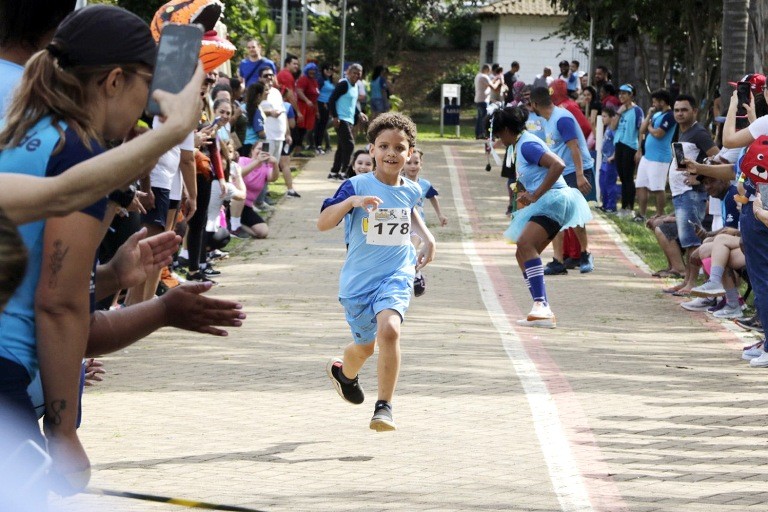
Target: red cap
<point>755,80</point>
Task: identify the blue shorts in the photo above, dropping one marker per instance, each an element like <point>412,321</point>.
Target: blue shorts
<point>691,206</point>
<point>570,179</point>
<point>159,214</point>
<point>393,293</point>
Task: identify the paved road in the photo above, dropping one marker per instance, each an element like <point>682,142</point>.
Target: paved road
<point>631,404</point>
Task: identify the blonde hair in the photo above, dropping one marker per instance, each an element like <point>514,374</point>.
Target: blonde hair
<point>48,89</point>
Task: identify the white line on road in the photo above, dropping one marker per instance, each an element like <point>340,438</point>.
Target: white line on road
<point>566,479</point>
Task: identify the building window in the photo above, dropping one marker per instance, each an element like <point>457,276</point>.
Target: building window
<point>489,51</point>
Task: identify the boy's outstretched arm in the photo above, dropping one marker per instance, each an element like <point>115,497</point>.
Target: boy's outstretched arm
<point>427,252</point>
<point>436,205</point>
<point>332,214</point>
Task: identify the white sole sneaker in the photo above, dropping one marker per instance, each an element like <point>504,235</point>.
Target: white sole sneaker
<point>545,323</point>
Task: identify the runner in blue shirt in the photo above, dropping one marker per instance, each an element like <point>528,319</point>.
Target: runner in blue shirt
<point>377,276</point>
<point>550,206</point>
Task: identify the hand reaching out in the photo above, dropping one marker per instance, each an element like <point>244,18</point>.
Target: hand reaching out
<point>138,257</point>
<point>187,308</point>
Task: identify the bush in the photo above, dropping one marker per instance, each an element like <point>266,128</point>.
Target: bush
<point>464,76</point>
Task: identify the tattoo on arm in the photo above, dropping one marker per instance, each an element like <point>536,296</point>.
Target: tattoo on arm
<point>57,262</point>
<point>53,412</point>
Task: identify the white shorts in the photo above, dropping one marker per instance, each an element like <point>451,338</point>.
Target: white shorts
<point>652,175</point>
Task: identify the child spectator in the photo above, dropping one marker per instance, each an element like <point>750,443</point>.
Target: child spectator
<point>411,171</point>
<point>377,276</point>
<point>608,173</point>
<point>362,163</point>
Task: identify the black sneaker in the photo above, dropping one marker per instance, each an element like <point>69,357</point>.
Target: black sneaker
<point>555,268</point>
<point>334,176</point>
<point>571,263</point>
<point>352,392</point>
<point>210,271</point>
<point>199,277</point>
<point>419,284</point>
<point>293,193</point>
<point>750,324</point>
<point>382,417</point>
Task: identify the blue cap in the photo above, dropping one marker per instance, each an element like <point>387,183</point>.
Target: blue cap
<point>627,88</point>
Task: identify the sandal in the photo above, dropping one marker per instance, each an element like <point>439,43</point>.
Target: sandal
<point>669,273</point>
<point>658,273</point>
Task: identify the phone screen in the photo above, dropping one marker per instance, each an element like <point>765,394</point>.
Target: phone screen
<point>764,194</point>
<point>177,57</point>
<point>679,154</point>
<point>743,95</point>
<point>265,147</point>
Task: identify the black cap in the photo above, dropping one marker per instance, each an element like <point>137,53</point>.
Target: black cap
<point>100,35</point>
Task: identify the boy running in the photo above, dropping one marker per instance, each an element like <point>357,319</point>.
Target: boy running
<point>377,276</point>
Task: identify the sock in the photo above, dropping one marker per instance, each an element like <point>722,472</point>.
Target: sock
<point>382,403</point>
<point>527,282</point>
<point>184,254</point>
<point>731,296</point>
<point>535,272</point>
<point>235,223</point>
<point>344,379</point>
<point>716,274</point>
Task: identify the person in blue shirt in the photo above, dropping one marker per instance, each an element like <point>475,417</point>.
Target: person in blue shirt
<point>89,85</point>
<point>608,173</point>
<point>627,137</point>
<point>566,140</point>
<point>377,277</point>
<point>411,171</point>
<point>658,127</point>
<point>380,91</point>
<point>550,205</point>
<point>249,67</point>
<point>342,106</point>
<point>326,85</point>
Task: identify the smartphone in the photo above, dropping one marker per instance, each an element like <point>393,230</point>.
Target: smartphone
<point>763,187</point>
<point>743,95</point>
<point>677,147</point>
<point>265,147</point>
<point>177,56</point>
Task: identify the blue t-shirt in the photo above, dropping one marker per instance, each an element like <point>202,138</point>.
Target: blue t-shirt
<point>378,87</point>
<point>427,192</point>
<point>345,101</point>
<point>249,70</point>
<point>660,149</point>
<point>572,84</point>
<point>535,125</point>
<point>10,76</point>
<point>34,156</point>
<point>368,265</point>
<point>561,128</point>
<point>629,127</point>
<point>528,152</point>
<point>325,91</point>
<point>608,147</point>
<point>252,130</point>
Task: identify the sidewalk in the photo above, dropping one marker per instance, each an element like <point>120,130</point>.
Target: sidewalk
<point>631,403</point>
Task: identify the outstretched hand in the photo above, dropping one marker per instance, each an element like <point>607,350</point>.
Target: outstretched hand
<point>138,257</point>
<point>187,308</point>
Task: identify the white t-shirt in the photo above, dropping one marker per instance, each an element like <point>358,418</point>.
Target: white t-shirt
<point>482,88</point>
<point>759,127</point>
<point>167,167</point>
<point>275,126</point>
<point>676,178</point>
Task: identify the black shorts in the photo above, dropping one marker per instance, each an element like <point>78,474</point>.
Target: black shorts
<point>250,218</point>
<point>174,204</point>
<point>550,226</point>
<point>159,214</point>
<point>570,179</point>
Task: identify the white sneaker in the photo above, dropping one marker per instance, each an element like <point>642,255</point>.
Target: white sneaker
<point>752,353</point>
<point>708,289</point>
<point>729,312</point>
<point>699,304</point>
<point>760,362</point>
<point>540,316</point>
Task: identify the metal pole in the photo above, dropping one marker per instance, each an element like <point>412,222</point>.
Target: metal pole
<point>283,32</point>
<point>343,36</point>
<point>304,14</point>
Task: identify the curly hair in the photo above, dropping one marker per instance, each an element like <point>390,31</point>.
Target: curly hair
<point>392,121</point>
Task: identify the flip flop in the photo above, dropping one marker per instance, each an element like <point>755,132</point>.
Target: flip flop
<point>669,273</point>
<point>659,272</point>
<point>681,293</point>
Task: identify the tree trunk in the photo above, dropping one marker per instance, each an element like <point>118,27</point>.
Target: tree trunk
<point>733,62</point>
<point>756,36</point>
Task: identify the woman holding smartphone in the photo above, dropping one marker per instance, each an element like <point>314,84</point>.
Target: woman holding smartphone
<point>754,233</point>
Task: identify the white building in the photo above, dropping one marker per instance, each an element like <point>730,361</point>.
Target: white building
<point>521,30</point>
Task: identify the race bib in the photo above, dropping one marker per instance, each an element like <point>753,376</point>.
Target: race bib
<point>389,226</point>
